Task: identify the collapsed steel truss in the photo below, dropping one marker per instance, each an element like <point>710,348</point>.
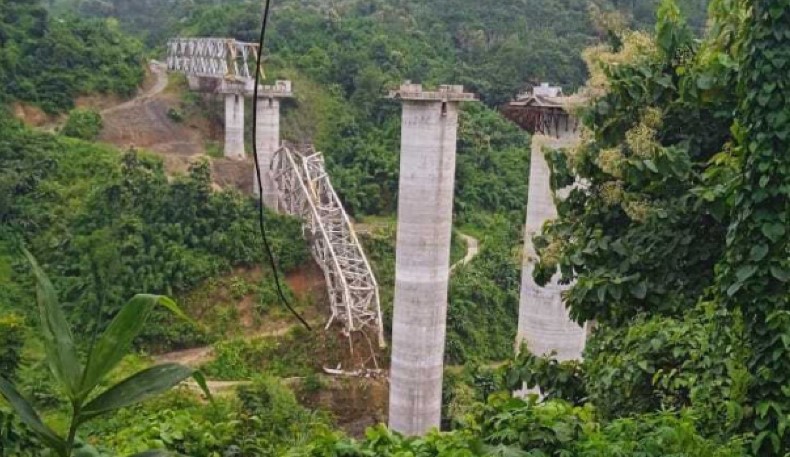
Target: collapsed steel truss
<point>212,57</point>
<point>306,192</point>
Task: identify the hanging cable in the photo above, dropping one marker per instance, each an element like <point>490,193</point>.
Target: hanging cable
<point>261,216</point>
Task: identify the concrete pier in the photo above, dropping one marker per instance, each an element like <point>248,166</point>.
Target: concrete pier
<point>268,136</point>
<point>425,206</point>
<point>234,126</point>
<point>543,321</point>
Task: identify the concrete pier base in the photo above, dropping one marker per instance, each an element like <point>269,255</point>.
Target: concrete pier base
<point>425,204</point>
<point>543,322</point>
<point>234,126</point>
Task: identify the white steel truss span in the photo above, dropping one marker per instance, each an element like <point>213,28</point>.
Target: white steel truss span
<point>212,57</point>
<point>306,192</point>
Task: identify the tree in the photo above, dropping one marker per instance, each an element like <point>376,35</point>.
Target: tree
<point>83,124</point>
<point>646,232</point>
<point>678,242</point>
<point>48,62</point>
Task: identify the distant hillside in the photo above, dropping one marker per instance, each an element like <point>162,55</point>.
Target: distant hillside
<point>48,62</point>
<point>495,49</point>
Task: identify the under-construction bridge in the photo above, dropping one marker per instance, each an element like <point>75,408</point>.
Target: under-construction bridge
<point>301,187</point>
<point>298,177</point>
<point>212,57</point>
<point>306,192</point>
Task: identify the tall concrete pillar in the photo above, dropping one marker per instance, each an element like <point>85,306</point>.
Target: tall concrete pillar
<point>543,320</point>
<point>234,125</point>
<point>425,211</point>
<point>267,143</point>
<point>268,136</point>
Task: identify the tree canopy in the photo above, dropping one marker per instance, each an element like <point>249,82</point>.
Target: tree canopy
<point>50,61</point>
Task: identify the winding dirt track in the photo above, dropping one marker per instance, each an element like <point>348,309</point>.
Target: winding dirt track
<point>472,250</point>
<point>143,122</point>
<point>159,70</point>
<point>195,357</point>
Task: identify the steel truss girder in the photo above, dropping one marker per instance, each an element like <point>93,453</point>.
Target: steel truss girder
<point>305,191</point>
<point>212,57</point>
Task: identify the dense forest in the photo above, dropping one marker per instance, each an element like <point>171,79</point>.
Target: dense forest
<point>676,246</point>
<point>35,48</point>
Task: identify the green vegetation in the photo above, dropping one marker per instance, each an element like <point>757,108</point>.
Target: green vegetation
<point>83,124</point>
<point>754,272</point>
<point>555,380</point>
<point>78,381</point>
<point>15,438</point>
<point>119,225</point>
<point>48,62</point>
<point>676,244</point>
<point>297,353</point>
<point>642,13</point>
<point>483,300</point>
<point>265,420</point>
<point>513,427</point>
<point>12,337</point>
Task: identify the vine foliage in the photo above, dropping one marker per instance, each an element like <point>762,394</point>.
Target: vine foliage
<point>755,272</point>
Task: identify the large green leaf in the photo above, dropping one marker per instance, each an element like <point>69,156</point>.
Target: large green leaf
<point>29,416</point>
<point>117,339</point>
<point>55,332</point>
<point>141,386</point>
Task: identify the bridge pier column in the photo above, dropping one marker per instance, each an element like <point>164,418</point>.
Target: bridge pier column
<point>425,211</point>
<point>268,141</point>
<point>543,320</point>
<point>234,126</point>
<point>268,137</point>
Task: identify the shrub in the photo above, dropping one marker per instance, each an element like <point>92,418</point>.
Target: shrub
<point>213,149</point>
<point>556,380</point>
<point>669,364</point>
<point>296,353</point>
<point>265,420</point>
<point>274,416</point>
<point>175,115</point>
<point>84,124</point>
<point>523,428</point>
<point>12,329</point>
<point>268,296</point>
<point>235,359</point>
<point>556,428</point>
<point>177,421</point>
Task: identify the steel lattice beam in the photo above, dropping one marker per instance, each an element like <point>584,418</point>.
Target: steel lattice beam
<point>306,192</point>
<point>212,57</point>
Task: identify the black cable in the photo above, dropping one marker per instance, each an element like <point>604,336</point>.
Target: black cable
<point>261,221</point>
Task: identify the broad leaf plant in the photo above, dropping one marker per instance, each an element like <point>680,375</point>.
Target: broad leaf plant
<point>80,380</point>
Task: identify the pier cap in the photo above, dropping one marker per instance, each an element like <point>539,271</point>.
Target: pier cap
<point>280,89</point>
<point>445,93</point>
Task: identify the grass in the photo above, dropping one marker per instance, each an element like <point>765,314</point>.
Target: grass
<point>213,149</point>
<point>299,353</point>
